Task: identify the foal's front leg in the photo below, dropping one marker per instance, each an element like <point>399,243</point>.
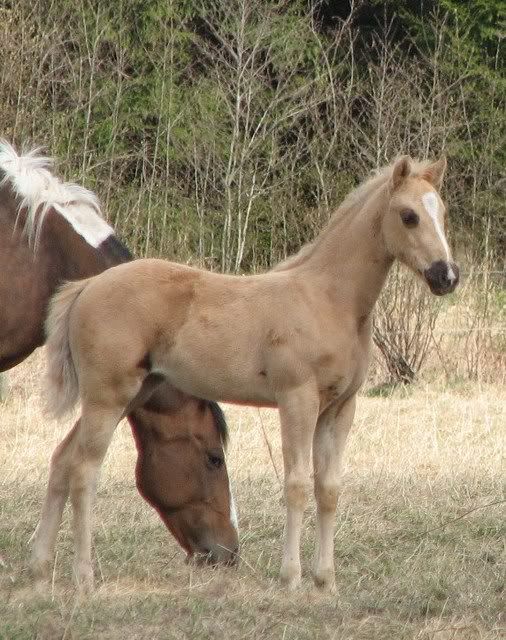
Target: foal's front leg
<point>298,411</point>
<point>328,446</point>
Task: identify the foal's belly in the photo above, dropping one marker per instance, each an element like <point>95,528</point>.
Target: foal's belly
<point>254,381</point>
<point>235,382</point>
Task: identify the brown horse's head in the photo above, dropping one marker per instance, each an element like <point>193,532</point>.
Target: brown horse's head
<point>181,472</point>
<point>414,225</point>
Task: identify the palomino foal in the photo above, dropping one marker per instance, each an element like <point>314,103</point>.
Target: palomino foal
<point>296,338</point>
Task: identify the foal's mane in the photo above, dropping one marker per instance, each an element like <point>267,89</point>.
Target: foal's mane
<point>353,202</point>
<point>31,180</point>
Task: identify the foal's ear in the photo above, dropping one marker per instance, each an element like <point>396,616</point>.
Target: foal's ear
<point>435,172</point>
<point>402,169</point>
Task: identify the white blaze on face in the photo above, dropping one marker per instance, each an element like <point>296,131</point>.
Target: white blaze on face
<point>233,511</point>
<point>86,222</point>
<point>431,204</point>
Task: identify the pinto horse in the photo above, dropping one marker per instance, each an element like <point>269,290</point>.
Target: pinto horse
<point>297,337</point>
<point>51,232</point>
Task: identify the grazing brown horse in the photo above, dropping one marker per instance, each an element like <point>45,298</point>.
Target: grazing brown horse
<point>51,232</point>
<point>296,338</point>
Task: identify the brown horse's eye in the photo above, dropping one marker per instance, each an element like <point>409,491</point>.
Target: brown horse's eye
<point>215,461</point>
<point>410,218</point>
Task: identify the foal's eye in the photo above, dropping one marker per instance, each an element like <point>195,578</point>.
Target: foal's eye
<point>410,218</point>
<point>215,461</point>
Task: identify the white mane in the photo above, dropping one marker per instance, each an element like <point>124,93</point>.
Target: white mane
<point>39,190</point>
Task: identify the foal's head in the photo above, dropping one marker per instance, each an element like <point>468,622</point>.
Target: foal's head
<point>181,472</point>
<point>414,225</point>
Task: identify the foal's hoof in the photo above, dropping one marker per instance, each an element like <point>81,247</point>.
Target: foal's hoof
<point>325,580</point>
<point>40,570</point>
<point>290,578</point>
<point>84,580</point>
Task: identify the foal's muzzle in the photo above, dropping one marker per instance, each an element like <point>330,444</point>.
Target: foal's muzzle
<point>442,277</point>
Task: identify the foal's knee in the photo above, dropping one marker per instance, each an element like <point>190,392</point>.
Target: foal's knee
<point>327,495</point>
<point>82,479</point>
<point>296,493</point>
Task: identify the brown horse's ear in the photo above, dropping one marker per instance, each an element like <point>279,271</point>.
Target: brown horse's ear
<point>435,172</point>
<point>402,169</point>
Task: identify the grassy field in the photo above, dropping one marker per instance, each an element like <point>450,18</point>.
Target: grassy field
<point>419,544</point>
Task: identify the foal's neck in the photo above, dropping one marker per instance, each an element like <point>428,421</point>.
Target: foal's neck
<point>349,258</point>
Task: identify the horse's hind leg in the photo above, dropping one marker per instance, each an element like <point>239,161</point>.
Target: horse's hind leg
<point>56,497</point>
<point>328,445</point>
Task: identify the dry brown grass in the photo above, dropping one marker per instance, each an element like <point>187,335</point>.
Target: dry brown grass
<point>408,564</point>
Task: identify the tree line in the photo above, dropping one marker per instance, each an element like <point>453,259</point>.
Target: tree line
<point>225,131</point>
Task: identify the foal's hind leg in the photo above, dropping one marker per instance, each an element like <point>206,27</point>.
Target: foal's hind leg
<point>94,436</point>
<point>56,497</point>
<point>74,469</point>
<point>328,446</point>
<point>298,410</point>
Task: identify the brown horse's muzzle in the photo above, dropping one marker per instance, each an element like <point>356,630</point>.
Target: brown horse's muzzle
<point>218,554</point>
<point>208,537</point>
<point>442,277</point>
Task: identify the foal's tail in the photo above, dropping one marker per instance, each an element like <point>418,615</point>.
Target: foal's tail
<point>62,381</point>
